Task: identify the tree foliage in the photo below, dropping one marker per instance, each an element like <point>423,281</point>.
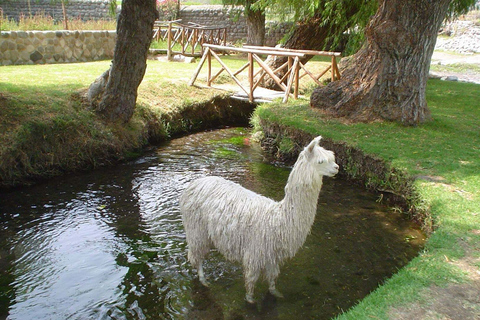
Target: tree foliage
<point>341,15</point>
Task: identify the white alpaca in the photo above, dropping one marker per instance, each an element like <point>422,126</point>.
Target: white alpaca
<point>252,229</point>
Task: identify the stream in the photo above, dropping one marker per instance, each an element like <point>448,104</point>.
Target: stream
<point>109,244</point>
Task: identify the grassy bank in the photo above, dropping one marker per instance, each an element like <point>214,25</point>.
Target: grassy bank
<point>46,130</point>
<point>442,158</point>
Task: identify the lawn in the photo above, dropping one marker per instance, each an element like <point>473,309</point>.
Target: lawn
<point>444,156</point>
<point>45,127</point>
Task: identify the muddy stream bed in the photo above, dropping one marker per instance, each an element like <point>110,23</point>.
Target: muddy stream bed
<point>109,244</point>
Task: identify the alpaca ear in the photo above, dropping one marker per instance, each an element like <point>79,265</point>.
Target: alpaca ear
<point>314,142</point>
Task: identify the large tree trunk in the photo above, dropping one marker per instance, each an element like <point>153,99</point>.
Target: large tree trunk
<point>255,25</point>
<point>387,78</point>
<point>134,34</point>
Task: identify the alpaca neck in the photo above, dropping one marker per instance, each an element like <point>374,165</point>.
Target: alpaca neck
<point>299,206</point>
<point>303,188</point>
<point>301,200</point>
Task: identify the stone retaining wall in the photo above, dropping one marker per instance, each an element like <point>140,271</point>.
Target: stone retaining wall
<point>84,9</point>
<point>231,18</point>
<point>30,47</point>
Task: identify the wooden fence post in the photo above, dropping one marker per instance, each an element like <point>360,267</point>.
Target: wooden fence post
<point>169,42</point>
<point>250,77</point>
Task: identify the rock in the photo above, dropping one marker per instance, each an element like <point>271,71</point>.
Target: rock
<point>450,78</point>
<point>36,56</point>
<point>97,88</point>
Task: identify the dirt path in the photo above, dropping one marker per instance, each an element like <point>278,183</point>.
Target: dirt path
<point>464,73</point>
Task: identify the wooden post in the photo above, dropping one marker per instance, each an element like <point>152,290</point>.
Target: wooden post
<point>209,70</point>
<point>296,78</point>
<point>291,79</point>
<point>169,42</point>
<point>195,38</point>
<point>337,72</point>
<point>250,77</point>
<point>183,40</point>
<point>65,18</point>
<point>333,68</point>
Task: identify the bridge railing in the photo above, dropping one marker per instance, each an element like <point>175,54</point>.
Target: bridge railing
<point>291,71</point>
<point>190,38</point>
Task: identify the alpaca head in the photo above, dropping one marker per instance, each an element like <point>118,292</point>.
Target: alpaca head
<point>320,160</point>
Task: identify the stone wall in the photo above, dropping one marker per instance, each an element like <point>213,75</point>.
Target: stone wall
<point>231,18</point>
<point>39,47</point>
<point>84,9</point>
<point>29,47</point>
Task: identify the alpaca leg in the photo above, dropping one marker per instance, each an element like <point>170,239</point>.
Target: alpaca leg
<point>251,277</point>
<point>201,275</point>
<point>199,247</point>
<point>272,272</point>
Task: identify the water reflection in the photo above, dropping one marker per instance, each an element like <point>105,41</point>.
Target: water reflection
<point>110,244</point>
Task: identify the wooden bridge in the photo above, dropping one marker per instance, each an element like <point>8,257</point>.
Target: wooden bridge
<point>189,37</point>
<point>291,69</point>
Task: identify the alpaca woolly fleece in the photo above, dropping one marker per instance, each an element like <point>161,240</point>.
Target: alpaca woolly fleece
<point>252,229</point>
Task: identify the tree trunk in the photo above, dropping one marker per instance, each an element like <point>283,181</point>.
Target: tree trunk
<point>255,25</point>
<point>134,34</point>
<point>65,18</point>
<point>387,78</point>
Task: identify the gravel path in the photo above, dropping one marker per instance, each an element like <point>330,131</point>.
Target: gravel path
<point>459,44</point>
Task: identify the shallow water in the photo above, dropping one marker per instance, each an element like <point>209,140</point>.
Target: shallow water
<point>109,244</point>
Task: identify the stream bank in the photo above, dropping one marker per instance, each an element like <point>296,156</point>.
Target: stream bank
<point>79,140</point>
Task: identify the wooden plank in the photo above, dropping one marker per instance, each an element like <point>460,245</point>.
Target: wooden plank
<point>200,65</point>
<point>269,71</point>
<point>228,71</point>
<point>310,74</point>
<point>260,95</point>
<point>306,52</point>
<point>264,52</point>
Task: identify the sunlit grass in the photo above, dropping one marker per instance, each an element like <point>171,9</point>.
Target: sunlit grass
<point>444,155</point>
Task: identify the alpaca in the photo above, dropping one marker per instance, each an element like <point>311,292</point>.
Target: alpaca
<point>249,228</point>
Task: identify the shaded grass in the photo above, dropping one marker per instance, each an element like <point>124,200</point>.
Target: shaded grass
<point>444,156</point>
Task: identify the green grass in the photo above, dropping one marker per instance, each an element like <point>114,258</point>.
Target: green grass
<point>445,154</point>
